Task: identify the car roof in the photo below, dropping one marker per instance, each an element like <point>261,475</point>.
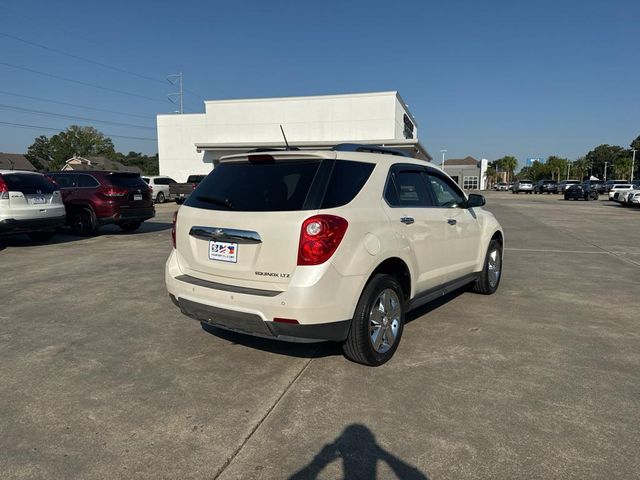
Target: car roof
<point>19,171</point>
<point>91,172</point>
<point>332,155</point>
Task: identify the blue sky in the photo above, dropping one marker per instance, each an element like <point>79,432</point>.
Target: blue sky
<point>486,79</point>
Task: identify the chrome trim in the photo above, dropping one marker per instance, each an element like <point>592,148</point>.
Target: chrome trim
<point>225,234</point>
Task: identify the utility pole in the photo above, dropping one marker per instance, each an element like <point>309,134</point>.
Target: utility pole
<point>443,152</point>
<point>568,168</point>
<point>633,162</point>
<point>605,170</point>
<point>178,97</point>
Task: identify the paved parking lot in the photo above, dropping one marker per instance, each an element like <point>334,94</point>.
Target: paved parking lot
<point>101,377</point>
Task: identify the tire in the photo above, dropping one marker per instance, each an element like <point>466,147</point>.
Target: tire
<point>41,236</point>
<point>160,197</point>
<point>130,226</point>
<point>360,345</point>
<point>179,201</point>
<point>491,273</point>
<point>83,222</point>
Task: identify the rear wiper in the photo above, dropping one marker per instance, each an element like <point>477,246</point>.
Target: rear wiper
<point>224,202</point>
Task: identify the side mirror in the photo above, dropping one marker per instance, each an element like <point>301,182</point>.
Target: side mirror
<point>475,200</point>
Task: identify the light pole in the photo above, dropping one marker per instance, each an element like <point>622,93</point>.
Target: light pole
<point>443,152</point>
<point>605,170</point>
<point>568,168</point>
<point>633,162</point>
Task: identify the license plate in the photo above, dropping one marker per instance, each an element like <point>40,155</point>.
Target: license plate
<point>38,200</point>
<point>137,196</point>
<point>223,251</point>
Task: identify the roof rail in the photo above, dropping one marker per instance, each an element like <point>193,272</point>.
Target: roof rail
<point>357,147</point>
<point>266,150</point>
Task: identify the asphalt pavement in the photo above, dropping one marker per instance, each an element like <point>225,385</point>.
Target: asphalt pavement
<point>101,376</point>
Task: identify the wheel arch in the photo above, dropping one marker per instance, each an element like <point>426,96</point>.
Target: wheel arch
<point>397,268</point>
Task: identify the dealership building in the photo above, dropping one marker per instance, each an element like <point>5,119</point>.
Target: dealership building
<point>192,143</point>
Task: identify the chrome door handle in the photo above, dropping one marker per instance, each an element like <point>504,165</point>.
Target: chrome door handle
<point>452,221</point>
<point>407,220</point>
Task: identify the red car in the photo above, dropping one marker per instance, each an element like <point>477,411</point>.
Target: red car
<point>96,198</point>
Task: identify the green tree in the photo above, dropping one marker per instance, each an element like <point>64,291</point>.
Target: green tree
<point>612,155</point>
<point>635,145</point>
<point>508,164</point>
<point>39,152</point>
<point>556,167</point>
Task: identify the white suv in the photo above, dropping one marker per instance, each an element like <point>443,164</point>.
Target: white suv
<point>29,203</point>
<point>328,245</point>
<point>159,186</point>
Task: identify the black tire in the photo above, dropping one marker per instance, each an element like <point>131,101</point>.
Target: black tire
<point>160,197</point>
<point>41,236</point>
<point>358,346</point>
<point>83,222</point>
<point>130,226</point>
<point>179,201</point>
<point>487,283</point>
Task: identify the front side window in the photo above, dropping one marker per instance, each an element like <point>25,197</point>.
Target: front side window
<point>445,192</point>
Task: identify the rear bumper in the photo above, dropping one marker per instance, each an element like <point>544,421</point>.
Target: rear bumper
<point>252,324</point>
<point>12,226</point>
<point>319,298</point>
<point>133,214</point>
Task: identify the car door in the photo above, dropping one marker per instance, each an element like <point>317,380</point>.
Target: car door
<point>408,206</point>
<point>462,237</point>
<point>67,183</point>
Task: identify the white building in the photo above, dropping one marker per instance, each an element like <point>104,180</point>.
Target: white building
<point>191,143</point>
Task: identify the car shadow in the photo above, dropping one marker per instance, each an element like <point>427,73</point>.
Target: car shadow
<point>64,235</point>
<point>433,305</point>
<point>299,350</point>
<point>360,454</point>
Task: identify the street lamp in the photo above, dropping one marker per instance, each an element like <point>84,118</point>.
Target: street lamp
<point>633,162</point>
<point>443,152</point>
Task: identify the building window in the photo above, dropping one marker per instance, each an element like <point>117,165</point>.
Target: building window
<point>470,183</point>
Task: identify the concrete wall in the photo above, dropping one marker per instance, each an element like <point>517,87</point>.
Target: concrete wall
<point>331,118</point>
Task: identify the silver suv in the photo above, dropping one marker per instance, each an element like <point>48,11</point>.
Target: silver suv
<point>328,245</point>
<point>29,203</point>
<point>525,186</point>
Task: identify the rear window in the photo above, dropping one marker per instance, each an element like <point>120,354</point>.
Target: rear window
<point>28,183</point>
<point>125,180</point>
<point>280,186</point>
<point>525,182</point>
<point>195,178</point>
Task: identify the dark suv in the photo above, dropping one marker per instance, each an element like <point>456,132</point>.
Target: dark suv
<point>583,191</point>
<point>546,186</point>
<point>100,198</point>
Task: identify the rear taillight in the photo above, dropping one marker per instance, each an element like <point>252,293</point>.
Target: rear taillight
<point>320,236</point>
<point>4,190</point>
<point>193,186</point>
<point>173,229</point>
<point>114,192</point>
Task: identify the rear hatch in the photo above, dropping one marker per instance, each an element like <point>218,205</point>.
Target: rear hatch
<point>128,190</point>
<point>242,224</point>
<point>29,196</point>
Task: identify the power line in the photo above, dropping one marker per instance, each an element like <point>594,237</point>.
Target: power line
<point>104,110</point>
<point>39,127</point>
<point>89,60</point>
<point>72,117</point>
<point>79,82</point>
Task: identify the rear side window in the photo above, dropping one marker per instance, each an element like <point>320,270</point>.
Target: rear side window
<point>347,179</point>
<point>28,183</point>
<point>164,181</point>
<point>126,180</point>
<point>87,181</point>
<point>65,180</point>
<point>256,187</point>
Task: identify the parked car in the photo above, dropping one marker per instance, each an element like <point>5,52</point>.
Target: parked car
<point>597,185</point>
<point>181,191</point>
<point>159,186</point>
<point>546,186</point>
<point>633,198</point>
<point>617,188</point>
<point>29,203</point>
<point>624,196</point>
<point>525,186</point>
<point>501,186</point>
<point>610,183</point>
<point>584,191</point>
<point>97,198</point>
<point>300,247</point>
<point>564,184</point>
